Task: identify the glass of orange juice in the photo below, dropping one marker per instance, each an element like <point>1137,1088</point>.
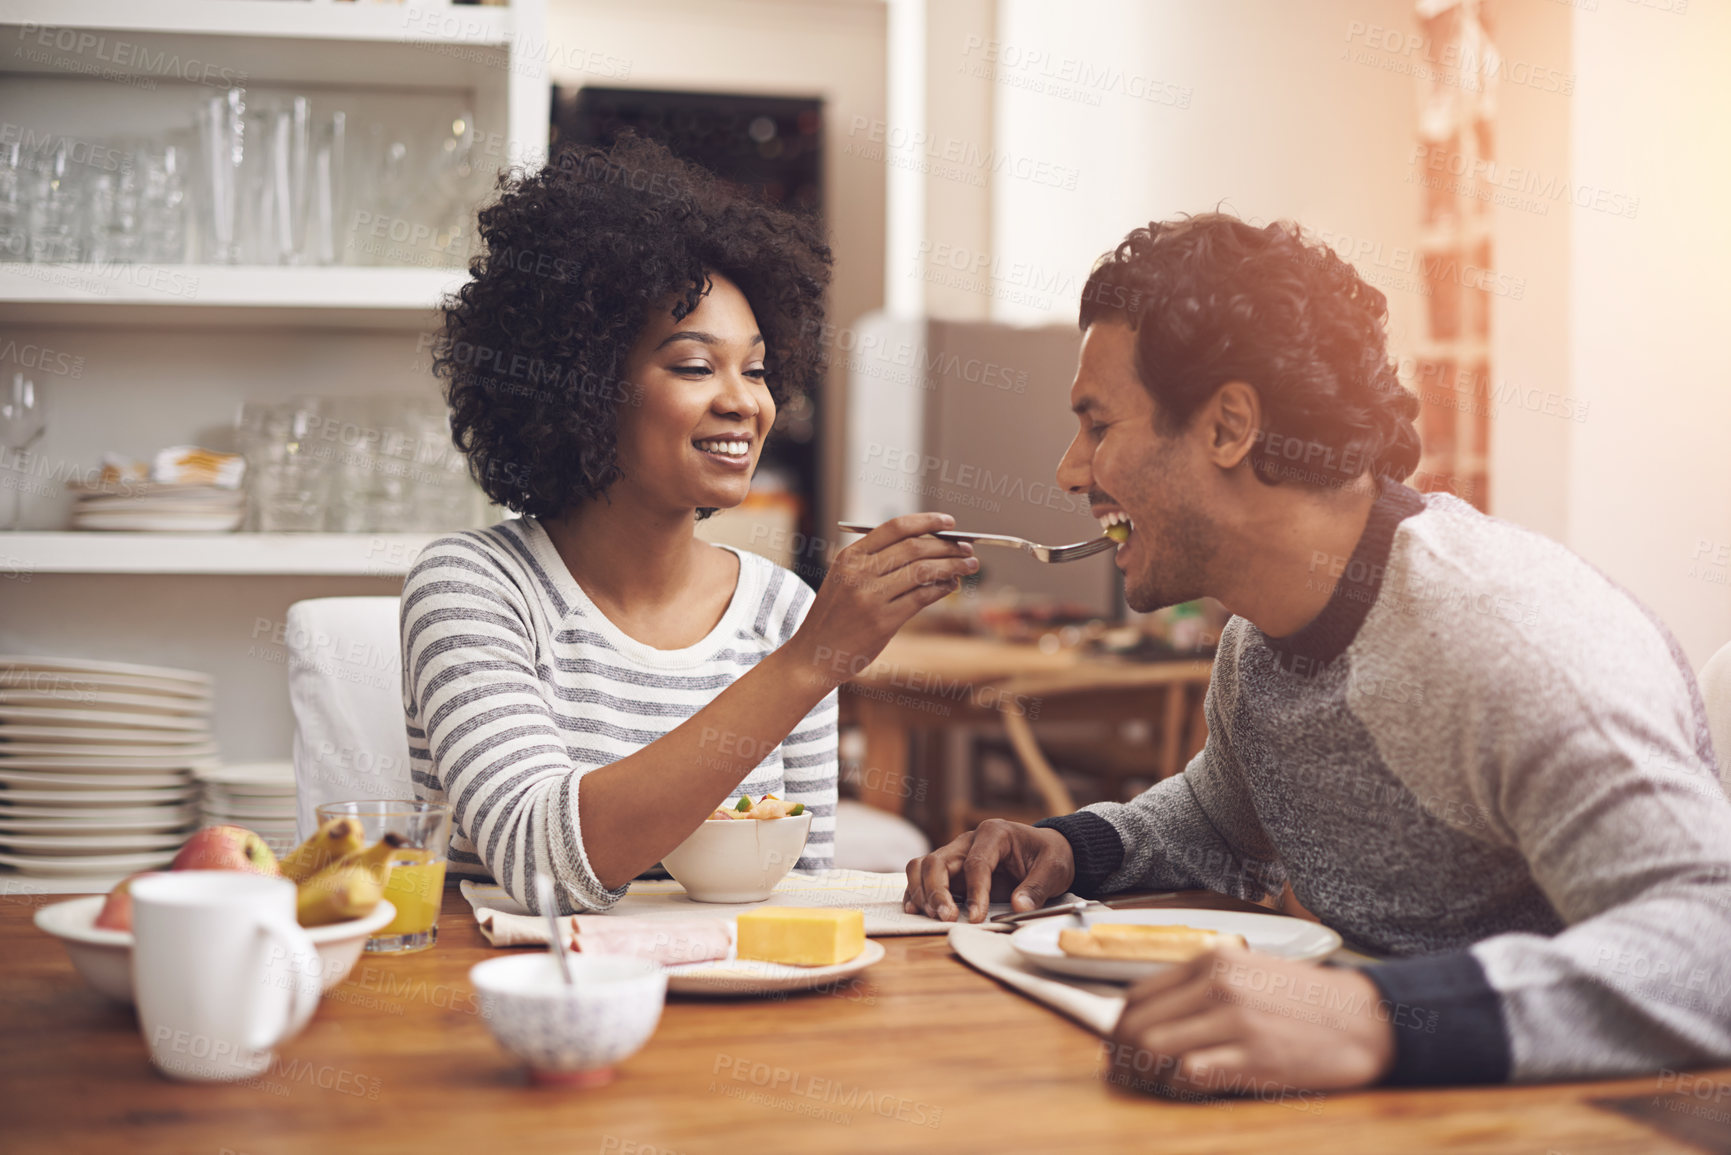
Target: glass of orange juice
<point>416,884</point>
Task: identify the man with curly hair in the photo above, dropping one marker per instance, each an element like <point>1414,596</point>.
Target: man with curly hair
<point>1450,738</point>
<point>587,683</point>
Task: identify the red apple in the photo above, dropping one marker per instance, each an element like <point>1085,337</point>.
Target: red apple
<point>226,848</point>
<point>116,913</point>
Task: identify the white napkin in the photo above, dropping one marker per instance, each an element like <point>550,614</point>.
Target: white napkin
<point>1094,1005</point>
<point>877,896</point>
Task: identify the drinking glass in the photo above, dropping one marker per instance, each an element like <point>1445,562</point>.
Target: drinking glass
<point>56,223</point>
<point>325,198</point>
<point>416,884</point>
<point>162,175</point>
<point>15,182</point>
<point>22,421</point>
<point>222,139</point>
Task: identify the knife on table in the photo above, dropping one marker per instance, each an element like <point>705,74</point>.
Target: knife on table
<point>1084,904</point>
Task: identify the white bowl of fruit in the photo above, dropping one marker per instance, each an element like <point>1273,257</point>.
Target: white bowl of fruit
<point>340,882</point>
<point>741,851</point>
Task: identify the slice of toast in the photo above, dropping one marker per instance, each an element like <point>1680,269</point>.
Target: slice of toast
<point>1135,941</point>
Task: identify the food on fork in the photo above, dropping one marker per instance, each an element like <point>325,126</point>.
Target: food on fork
<point>801,936</point>
<point>767,807</point>
<point>1142,943</point>
<point>1116,525</point>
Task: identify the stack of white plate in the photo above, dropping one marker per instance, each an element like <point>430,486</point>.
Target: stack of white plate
<point>158,507</point>
<point>96,764</point>
<point>257,795</point>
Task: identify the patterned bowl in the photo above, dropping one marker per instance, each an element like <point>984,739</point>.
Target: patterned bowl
<point>570,1035</point>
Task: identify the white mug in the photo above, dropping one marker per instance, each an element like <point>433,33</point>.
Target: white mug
<point>219,971</point>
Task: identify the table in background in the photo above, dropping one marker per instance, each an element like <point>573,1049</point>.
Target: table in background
<point>925,684</point>
<point>920,1053</point>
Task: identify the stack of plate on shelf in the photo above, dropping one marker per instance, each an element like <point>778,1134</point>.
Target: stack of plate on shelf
<point>257,795</point>
<point>157,507</point>
<point>96,764</point>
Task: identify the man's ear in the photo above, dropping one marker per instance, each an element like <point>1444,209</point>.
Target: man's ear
<point>1231,421</point>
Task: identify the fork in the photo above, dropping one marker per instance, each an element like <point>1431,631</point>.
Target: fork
<point>1047,553</point>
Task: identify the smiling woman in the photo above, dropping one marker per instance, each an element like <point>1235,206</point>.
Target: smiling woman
<point>587,682</point>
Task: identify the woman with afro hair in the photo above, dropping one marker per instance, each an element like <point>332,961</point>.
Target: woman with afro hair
<point>587,682</point>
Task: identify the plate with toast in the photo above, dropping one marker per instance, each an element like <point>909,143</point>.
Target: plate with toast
<point>1122,946</point>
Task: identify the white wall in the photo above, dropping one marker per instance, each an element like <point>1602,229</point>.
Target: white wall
<point>1531,227</point>
<point>1651,298</point>
<point>1183,107</point>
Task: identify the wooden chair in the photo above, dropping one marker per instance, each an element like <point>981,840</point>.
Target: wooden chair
<point>1152,721</point>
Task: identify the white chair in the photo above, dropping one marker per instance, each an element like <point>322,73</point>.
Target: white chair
<point>345,685</point>
<point>1715,678</point>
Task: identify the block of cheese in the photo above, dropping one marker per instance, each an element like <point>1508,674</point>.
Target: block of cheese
<point>801,936</point>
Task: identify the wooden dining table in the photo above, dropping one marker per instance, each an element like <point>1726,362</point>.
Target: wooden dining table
<point>925,684</point>
<point>918,1053</point>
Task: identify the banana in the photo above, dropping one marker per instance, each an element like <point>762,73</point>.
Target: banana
<point>337,894</point>
<point>377,857</point>
<point>335,840</point>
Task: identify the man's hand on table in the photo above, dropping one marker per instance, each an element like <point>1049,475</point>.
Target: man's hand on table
<point>1233,1021</point>
<point>999,859</point>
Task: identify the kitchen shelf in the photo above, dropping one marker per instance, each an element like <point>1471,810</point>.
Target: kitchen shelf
<point>324,554</point>
<point>421,21</point>
<point>203,295</point>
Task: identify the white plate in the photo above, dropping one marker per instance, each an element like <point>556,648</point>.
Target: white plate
<point>151,704</point>
<point>83,866</point>
<point>182,765</point>
<point>89,844</point>
<point>105,759</point>
<point>750,977</point>
<point>8,662</point>
<point>159,522</point>
<point>159,797</point>
<point>241,775</point>
<point>1279,935</point>
<point>188,814</point>
<point>66,685</point>
<point>97,719</point>
<point>14,736</point>
<point>98,822</point>
<point>26,780</point>
<point>223,796</point>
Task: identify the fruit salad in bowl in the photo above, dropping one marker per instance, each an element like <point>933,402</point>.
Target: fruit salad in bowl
<point>742,851</point>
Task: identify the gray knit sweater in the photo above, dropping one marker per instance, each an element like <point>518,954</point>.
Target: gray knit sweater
<point>1486,762</point>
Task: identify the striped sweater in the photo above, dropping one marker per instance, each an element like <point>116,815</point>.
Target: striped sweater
<point>515,685</point>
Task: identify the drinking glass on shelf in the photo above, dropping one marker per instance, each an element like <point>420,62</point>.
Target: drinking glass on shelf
<point>281,214</point>
<point>416,884</point>
<point>14,202</point>
<point>56,220</point>
<point>222,142</point>
<point>325,198</point>
<point>288,480</point>
<point>22,422</point>
<point>162,175</point>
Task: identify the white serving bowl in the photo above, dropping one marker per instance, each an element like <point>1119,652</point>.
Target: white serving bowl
<point>104,957</point>
<point>570,1035</point>
<point>737,859</point>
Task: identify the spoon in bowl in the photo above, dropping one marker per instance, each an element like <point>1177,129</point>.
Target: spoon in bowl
<point>555,940</point>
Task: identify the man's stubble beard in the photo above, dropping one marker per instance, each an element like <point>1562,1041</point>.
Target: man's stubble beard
<point>1176,563</point>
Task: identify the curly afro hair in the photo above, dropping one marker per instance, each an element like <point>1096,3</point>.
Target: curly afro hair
<point>574,256</point>
<point>1213,299</point>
